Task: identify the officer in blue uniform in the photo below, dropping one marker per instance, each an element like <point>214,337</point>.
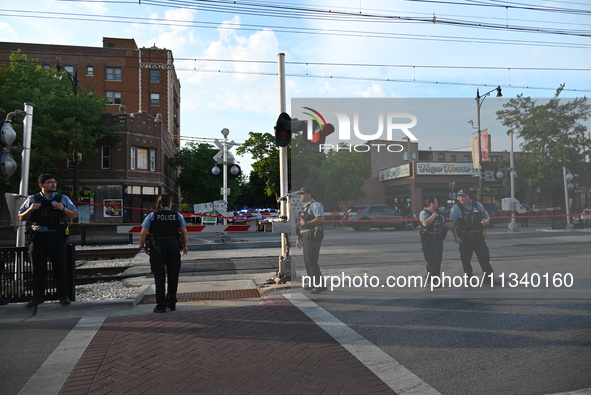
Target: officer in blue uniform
<point>165,227</point>
<point>468,219</point>
<point>310,232</point>
<point>433,232</point>
<point>47,213</point>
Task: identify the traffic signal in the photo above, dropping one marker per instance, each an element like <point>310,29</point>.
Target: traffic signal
<point>285,126</point>
<point>7,163</point>
<point>319,135</point>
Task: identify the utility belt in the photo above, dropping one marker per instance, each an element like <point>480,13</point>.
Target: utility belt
<point>425,234</point>
<point>316,232</point>
<point>152,240</point>
<point>481,232</point>
<point>32,234</point>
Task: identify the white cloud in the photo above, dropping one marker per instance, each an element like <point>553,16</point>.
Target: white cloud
<point>375,90</point>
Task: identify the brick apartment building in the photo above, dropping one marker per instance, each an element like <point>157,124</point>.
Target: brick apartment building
<point>144,99</point>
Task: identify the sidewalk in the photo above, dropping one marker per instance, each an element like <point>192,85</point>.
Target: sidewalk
<point>280,342</point>
<point>270,347</point>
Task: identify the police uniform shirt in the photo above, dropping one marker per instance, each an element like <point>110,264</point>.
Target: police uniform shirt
<point>31,199</point>
<point>425,214</point>
<point>150,218</point>
<point>315,208</point>
<point>456,211</point>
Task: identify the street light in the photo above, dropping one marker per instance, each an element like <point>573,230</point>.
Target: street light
<point>73,78</point>
<point>479,99</point>
<point>74,154</point>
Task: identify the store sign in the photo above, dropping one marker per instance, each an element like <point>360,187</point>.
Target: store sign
<point>445,169</point>
<point>394,172</point>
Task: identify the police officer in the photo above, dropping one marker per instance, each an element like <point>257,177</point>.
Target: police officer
<point>310,232</point>
<point>47,213</point>
<point>468,219</point>
<point>433,232</point>
<point>165,226</point>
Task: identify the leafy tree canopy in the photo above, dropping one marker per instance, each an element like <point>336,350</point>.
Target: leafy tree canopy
<point>336,176</point>
<point>62,122</point>
<point>196,181</point>
<point>553,136</point>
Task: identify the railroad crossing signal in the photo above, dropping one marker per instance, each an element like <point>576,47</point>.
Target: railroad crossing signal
<point>7,137</point>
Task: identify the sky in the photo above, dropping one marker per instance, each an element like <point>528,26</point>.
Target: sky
<point>226,53</point>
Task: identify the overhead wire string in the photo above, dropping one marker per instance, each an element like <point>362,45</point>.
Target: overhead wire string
<point>332,15</point>
<point>376,79</point>
<point>279,29</point>
<point>283,11</point>
<point>330,64</point>
<point>521,6</point>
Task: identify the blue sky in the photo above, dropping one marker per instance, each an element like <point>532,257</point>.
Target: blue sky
<point>226,52</point>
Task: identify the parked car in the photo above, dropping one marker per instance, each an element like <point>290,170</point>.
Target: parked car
<point>365,217</point>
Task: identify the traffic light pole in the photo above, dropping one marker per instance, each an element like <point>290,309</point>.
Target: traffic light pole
<point>286,271</point>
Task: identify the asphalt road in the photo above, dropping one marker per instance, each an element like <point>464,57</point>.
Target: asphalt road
<point>500,340</point>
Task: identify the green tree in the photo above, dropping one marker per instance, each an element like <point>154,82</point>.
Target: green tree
<point>196,181</point>
<point>342,177</point>
<point>336,176</point>
<point>62,121</point>
<point>553,136</point>
<point>265,154</point>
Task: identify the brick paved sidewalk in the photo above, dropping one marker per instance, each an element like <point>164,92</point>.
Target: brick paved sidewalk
<point>268,348</point>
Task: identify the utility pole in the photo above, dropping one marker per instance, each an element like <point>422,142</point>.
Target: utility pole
<point>286,270</point>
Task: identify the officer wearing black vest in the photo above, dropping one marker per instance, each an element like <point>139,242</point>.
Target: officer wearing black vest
<point>48,212</point>
<point>164,229</point>
<point>468,220</point>
<point>310,232</point>
<point>433,232</point>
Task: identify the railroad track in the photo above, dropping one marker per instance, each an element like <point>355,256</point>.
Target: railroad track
<point>93,275</point>
<point>112,253</point>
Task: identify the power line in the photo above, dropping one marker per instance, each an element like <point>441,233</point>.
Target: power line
<point>364,65</point>
<point>382,79</point>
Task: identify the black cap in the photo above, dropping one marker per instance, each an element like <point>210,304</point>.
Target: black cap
<point>305,190</point>
<point>463,192</point>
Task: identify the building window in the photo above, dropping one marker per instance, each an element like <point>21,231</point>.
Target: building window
<point>114,97</point>
<point>106,157</point>
<point>113,73</point>
<point>154,75</point>
<point>466,158</point>
<point>69,69</point>
<point>132,156</point>
<point>152,160</point>
<point>142,159</point>
<point>46,67</point>
<point>154,99</point>
<point>453,158</point>
<point>441,157</point>
<point>90,71</point>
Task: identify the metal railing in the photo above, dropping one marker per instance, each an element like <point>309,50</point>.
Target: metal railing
<point>80,234</point>
<point>17,277</point>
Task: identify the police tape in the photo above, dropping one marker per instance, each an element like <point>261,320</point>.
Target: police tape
<point>197,228</point>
